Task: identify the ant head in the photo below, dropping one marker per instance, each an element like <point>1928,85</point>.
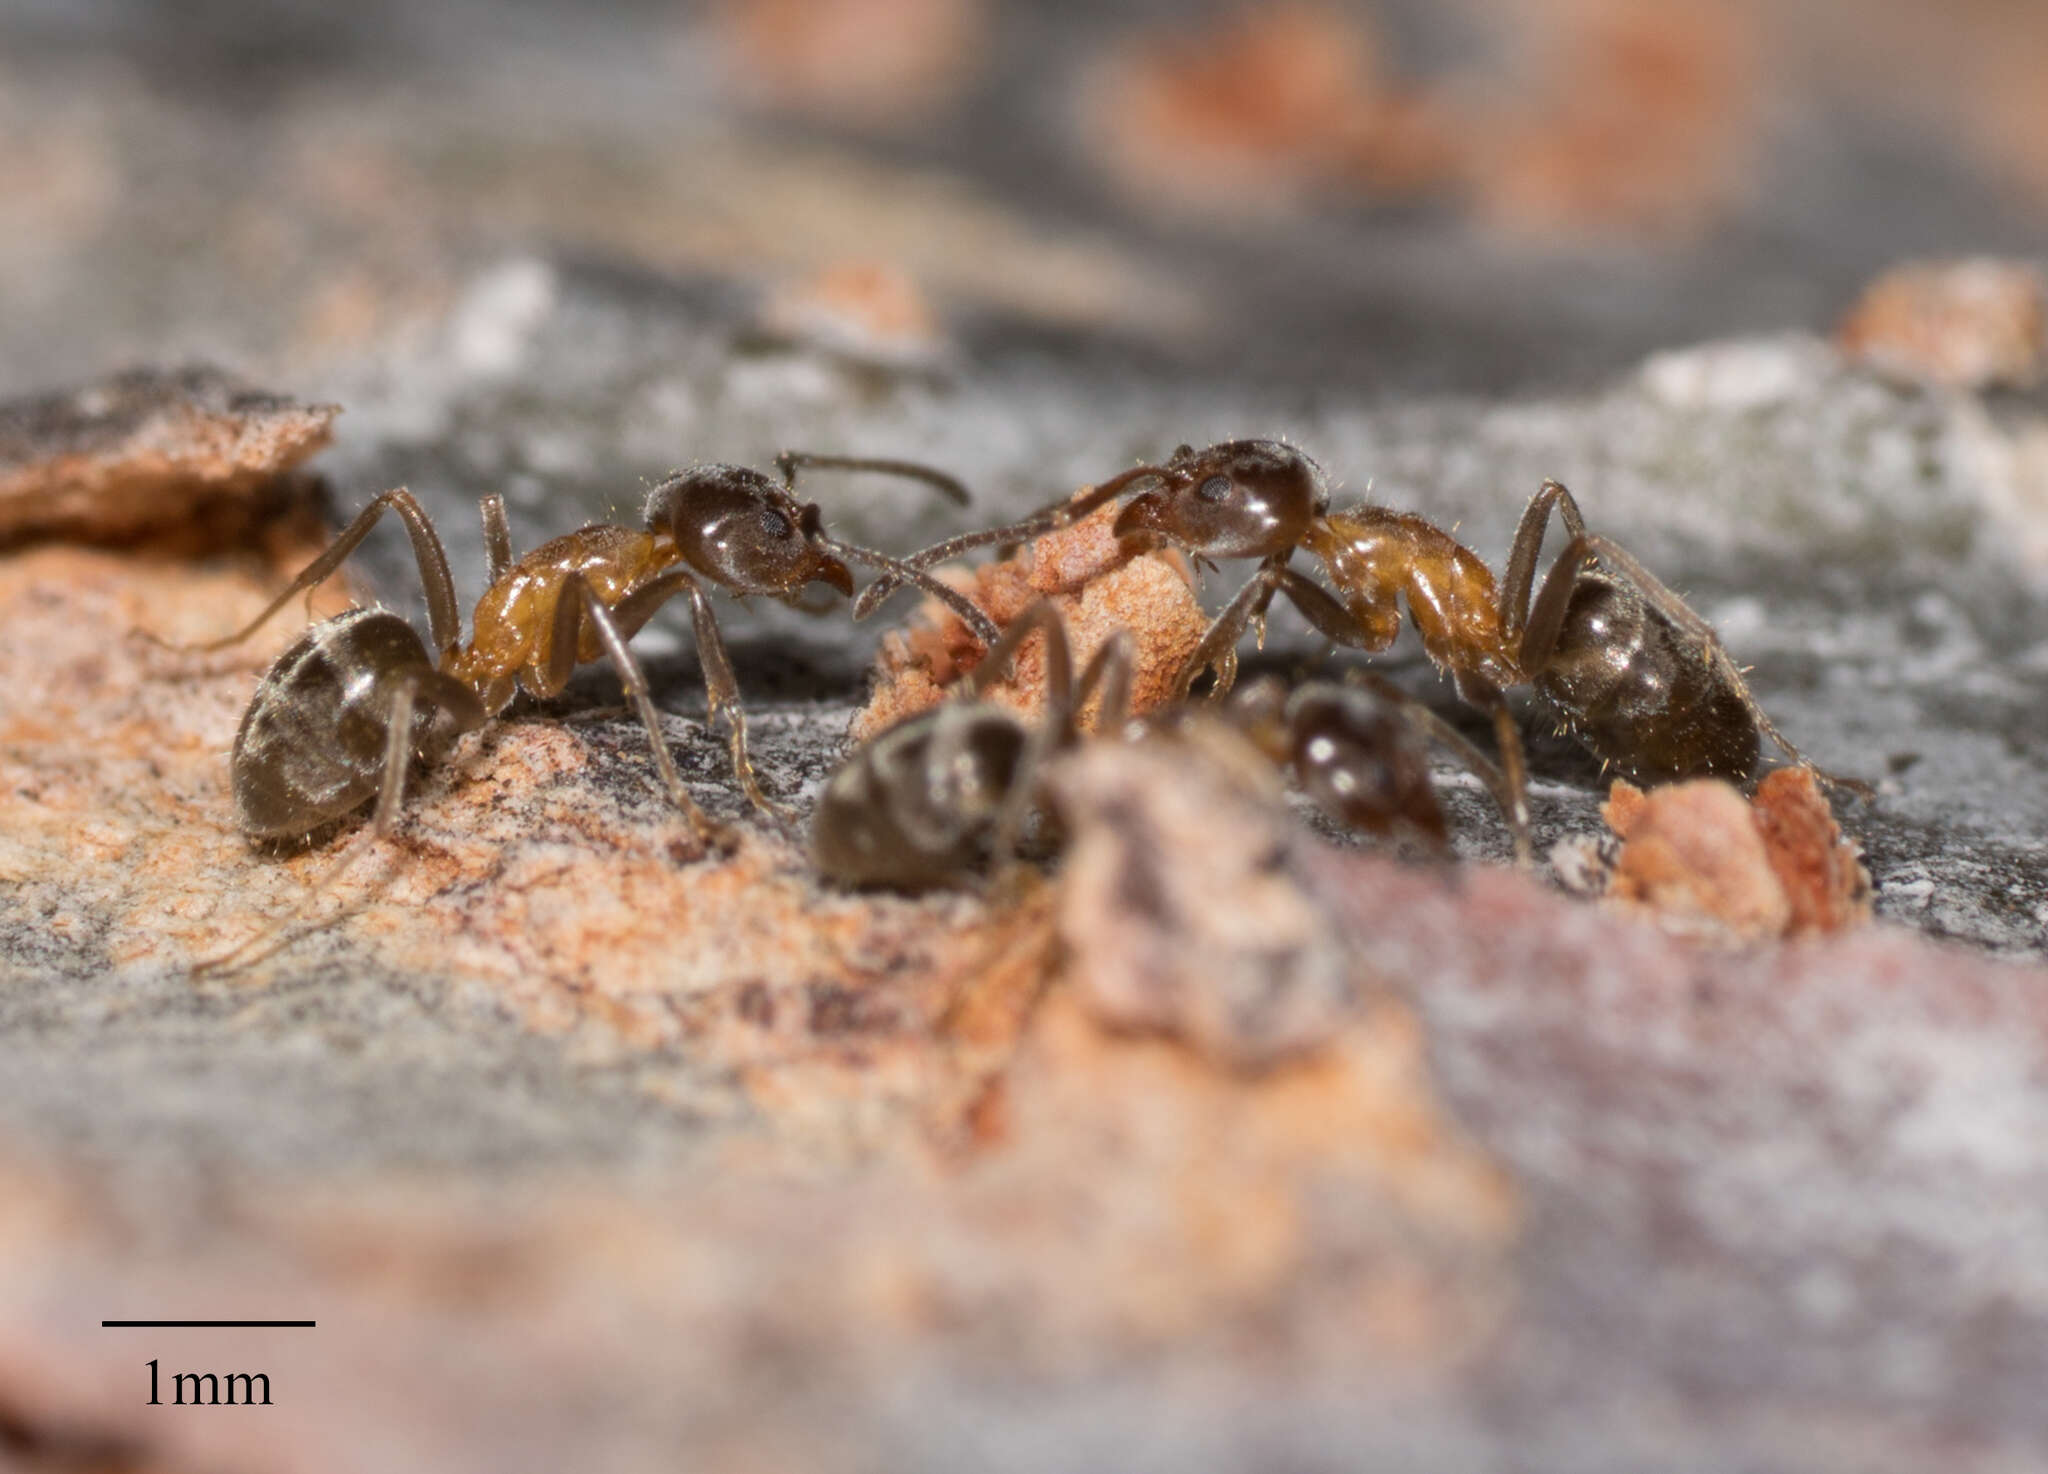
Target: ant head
<point>745,532</point>
<point>1240,499</point>
<point>1362,764</point>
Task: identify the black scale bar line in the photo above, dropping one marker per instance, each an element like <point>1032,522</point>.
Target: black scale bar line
<point>205,1323</point>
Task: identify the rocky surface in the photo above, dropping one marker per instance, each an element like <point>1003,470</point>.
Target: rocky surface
<point>1233,1143</point>
<point>682,1144</point>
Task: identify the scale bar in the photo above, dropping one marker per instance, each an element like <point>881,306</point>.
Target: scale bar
<point>176,1323</point>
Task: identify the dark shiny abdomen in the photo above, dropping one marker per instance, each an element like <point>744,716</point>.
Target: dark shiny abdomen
<point>1362,764</point>
<point>889,818</point>
<point>311,745</point>
<point>1638,696</point>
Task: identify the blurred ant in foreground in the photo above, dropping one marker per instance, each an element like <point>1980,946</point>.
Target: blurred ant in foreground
<point>341,714</point>
<point>1638,677</point>
<point>935,798</point>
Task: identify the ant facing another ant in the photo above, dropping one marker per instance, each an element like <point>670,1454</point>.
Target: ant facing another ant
<point>340,715</point>
<point>1631,670</point>
<point>940,794</point>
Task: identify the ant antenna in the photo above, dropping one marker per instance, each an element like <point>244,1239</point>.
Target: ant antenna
<point>899,572</point>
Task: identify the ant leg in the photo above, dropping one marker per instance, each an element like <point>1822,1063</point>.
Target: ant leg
<point>1108,671</point>
<point>578,602</point>
<point>950,487</point>
<point>1318,606</point>
<point>1218,649</point>
<point>723,693</point>
<point>465,711</point>
<point>1520,576</point>
<point>1536,641</point>
<point>1038,524</point>
<point>1016,805</point>
<point>397,754</point>
<point>442,618</point>
<point>1054,729</point>
<point>1511,791</point>
<point>497,535</point>
<point>1324,612</point>
<point>721,688</point>
<point>1040,619</point>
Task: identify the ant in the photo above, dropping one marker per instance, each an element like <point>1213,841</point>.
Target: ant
<point>340,714</point>
<point>1631,670</point>
<point>942,792</point>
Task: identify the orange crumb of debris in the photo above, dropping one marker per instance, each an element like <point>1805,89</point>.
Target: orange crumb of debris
<point>1971,324</point>
<point>858,61</point>
<point>1261,106</point>
<point>861,307</point>
<point>1703,858</point>
<point>1644,121</point>
<point>1098,587</point>
<point>1822,872</point>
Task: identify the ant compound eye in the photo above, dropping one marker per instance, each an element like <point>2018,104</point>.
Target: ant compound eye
<point>774,524</point>
<point>1215,489</point>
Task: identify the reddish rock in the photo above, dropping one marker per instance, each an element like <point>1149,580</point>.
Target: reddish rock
<point>1625,121</point>
<point>865,311</point>
<point>1708,863</point>
<point>859,61</point>
<point>190,454</point>
<point>1258,109</point>
<point>1972,324</point>
<point>1099,588</point>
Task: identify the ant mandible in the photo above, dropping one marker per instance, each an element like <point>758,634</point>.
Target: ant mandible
<point>1632,671</point>
<point>933,799</point>
<point>340,714</point>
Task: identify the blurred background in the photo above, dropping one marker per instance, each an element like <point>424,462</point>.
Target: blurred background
<point>1354,195</point>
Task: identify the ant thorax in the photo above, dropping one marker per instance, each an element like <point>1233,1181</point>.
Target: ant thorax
<point>1375,555</point>
<point>516,613</point>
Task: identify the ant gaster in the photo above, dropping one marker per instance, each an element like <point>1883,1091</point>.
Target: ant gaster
<point>934,798</point>
<point>1631,670</point>
<point>342,713</point>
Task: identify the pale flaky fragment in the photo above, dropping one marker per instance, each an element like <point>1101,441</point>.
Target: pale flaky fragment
<point>1160,834</point>
<point>1693,856</point>
<point>864,311</point>
<point>1979,323</point>
<point>1708,862</point>
<point>1820,869</point>
<point>1099,587</point>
